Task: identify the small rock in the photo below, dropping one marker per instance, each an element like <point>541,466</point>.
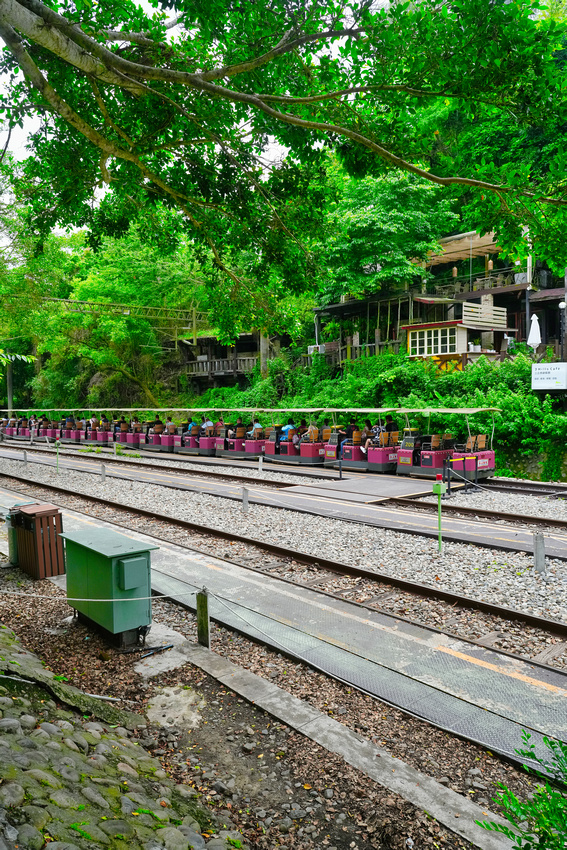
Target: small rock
<point>11,795</point>
<point>29,836</point>
<point>221,788</point>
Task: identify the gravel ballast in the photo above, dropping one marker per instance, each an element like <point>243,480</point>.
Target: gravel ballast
<point>507,579</point>
<point>267,473</point>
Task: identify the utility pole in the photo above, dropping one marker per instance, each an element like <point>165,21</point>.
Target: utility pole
<point>9,387</point>
<point>564,323</point>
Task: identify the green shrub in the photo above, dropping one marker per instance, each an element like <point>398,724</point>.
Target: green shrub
<point>541,822</point>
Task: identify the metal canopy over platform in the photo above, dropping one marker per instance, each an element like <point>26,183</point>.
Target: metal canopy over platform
<point>467,689</point>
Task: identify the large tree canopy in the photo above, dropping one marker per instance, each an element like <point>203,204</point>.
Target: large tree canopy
<point>177,115</point>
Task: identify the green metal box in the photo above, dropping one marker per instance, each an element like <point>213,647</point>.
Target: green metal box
<point>104,571</point>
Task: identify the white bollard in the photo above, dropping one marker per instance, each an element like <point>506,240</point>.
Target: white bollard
<point>25,460</point>
<point>245,500</point>
<point>114,446</point>
<point>260,463</point>
<point>102,472</point>
<point>539,552</point>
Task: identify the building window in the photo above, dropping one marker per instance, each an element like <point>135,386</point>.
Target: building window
<point>433,341</point>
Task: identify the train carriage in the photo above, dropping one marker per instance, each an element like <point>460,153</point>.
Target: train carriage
<point>429,454</point>
<point>423,451</point>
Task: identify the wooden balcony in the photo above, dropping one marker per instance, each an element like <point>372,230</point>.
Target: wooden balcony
<point>484,316</point>
<point>221,366</point>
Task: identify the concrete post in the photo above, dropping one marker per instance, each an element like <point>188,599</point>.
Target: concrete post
<point>245,500</point>
<point>264,351</point>
<point>539,552</point>
<point>102,472</point>
<point>203,622</point>
<point>25,460</point>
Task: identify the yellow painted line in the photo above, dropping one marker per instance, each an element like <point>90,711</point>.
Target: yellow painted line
<point>392,630</point>
<point>512,674</point>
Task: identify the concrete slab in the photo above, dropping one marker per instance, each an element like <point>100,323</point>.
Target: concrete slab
<point>161,662</point>
<point>343,495</point>
<point>381,486</point>
<point>175,706</point>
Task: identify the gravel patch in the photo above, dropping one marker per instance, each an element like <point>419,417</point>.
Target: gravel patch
<point>500,577</point>
<point>167,459</point>
<point>507,503</point>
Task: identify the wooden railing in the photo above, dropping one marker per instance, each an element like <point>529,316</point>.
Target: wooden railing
<point>484,315</point>
<point>222,366</point>
<point>342,354</point>
<point>501,277</point>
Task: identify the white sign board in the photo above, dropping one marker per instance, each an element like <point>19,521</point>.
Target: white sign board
<point>549,376</point>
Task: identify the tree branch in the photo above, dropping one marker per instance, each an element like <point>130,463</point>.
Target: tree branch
<point>15,15</point>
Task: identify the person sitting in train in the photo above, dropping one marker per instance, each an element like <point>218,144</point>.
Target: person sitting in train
<point>347,433</point>
<point>370,438</point>
<point>190,425</point>
<point>219,425</point>
<point>82,423</point>
<point>232,431</point>
<point>309,434</point>
<point>122,425</point>
<point>70,422</point>
<point>255,431</point>
<point>136,425</point>
<point>105,424</point>
<point>155,427</point>
<point>284,433</point>
<point>391,425</point>
<point>170,426</point>
<point>205,423</point>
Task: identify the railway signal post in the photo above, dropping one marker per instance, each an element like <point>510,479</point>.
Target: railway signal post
<point>439,489</point>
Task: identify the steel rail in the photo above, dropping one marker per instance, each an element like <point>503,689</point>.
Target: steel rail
<point>532,488</point>
<point>410,502</point>
<point>417,588</point>
<point>111,459</point>
<point>525,519</point>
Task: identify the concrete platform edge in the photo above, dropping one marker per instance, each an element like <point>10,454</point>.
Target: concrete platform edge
<point>450,809</point>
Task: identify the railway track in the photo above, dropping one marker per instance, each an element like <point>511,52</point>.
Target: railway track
<point>548,489</point>
<point>495,516</point>
<point>411,503</point>
<point>382,582</point>
<point>108,459</point>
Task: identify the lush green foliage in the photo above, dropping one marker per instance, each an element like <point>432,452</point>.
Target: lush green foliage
<point>540,822</point>
<point>378,229</point>
<point>527,421</point>
<point>178,124</point>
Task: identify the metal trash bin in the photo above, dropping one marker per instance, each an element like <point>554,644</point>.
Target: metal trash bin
<point>39,546</point>
<point>105,565</point>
